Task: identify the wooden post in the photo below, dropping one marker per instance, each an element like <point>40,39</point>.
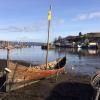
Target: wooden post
<point>8,51</point>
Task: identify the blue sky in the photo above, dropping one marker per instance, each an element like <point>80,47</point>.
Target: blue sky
<point>26,20</point>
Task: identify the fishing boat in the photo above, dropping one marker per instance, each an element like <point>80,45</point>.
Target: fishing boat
<point>93,45</point>
<point>18,75</point>
<point>51,47</point>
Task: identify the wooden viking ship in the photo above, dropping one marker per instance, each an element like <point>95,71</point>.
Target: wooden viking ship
<point>18,75</point>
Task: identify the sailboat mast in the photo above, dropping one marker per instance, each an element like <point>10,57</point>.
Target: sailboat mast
<point>49,22</point>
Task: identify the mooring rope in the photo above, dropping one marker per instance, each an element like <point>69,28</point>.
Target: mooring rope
<point>3,85</point>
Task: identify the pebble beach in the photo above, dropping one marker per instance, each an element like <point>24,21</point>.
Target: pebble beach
<point>69,86</point>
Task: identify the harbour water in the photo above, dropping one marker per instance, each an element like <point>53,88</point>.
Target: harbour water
<point>85,62</point>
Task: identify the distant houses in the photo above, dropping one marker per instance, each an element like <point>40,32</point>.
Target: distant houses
<point>81,39</point>
<point>94,37</point>
<point>18,44</point>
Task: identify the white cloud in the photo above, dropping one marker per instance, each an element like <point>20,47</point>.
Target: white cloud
<point>87,16</point>
<point>94,15</point>
<point>60,22</point>
<point>82,17</point>
<point>24,28</point>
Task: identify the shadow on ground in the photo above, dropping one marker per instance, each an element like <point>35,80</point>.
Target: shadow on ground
<point>71,91</point>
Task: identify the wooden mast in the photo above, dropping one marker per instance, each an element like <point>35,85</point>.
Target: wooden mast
<point>49,21</point>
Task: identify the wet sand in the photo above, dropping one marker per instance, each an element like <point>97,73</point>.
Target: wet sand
<point>69,86</point>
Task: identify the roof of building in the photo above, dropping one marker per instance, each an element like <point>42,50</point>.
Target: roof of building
<point>94,34</point>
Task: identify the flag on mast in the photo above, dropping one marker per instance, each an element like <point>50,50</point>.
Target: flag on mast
<point>49,14</point>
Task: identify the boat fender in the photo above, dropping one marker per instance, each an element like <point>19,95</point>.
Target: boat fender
<point>7,70</point>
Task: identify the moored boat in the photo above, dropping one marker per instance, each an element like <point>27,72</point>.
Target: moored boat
<point>23,73</point>
<point>93,45</point>
<point>79,46</point>
<point>50,47</point>
<point>68,45</point>
<point>18,75</point>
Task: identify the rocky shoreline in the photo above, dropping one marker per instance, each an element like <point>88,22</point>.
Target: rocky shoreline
<point>69,86</point>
